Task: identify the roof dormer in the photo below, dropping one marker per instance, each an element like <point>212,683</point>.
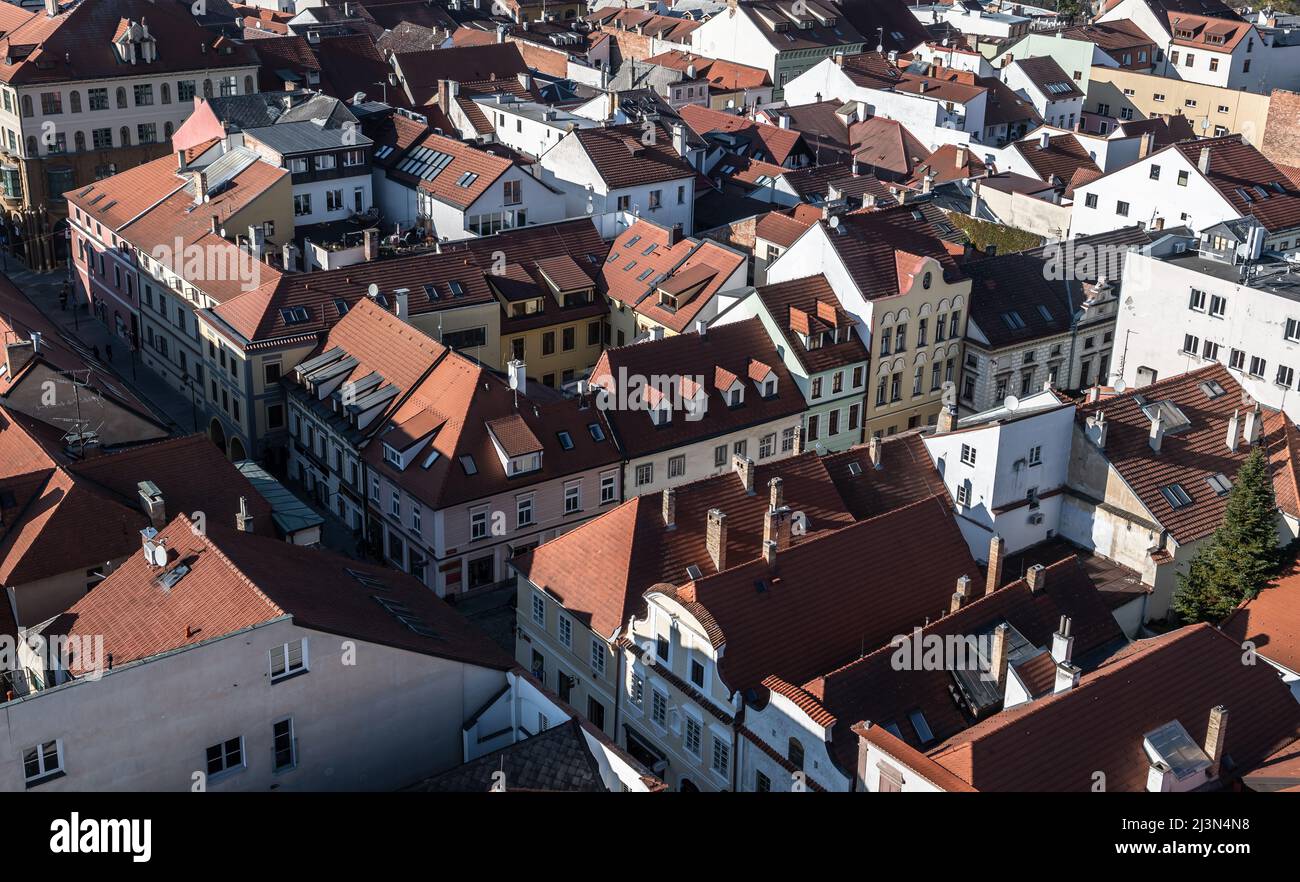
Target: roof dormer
<point>763,377</point>
<point>133,43</point>
<point>729,386</point>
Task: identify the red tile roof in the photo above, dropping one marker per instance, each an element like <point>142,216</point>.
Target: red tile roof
<point>1271,621</point>
<point>465,160</point>
<point>868,241</point>
<point>1059,742</point>
<point>690,355</point>
<point>1235,169</point>
<point>237,580</point>
<point>423,69</point>
<point>600,570</point>
<point>770,143</point>
<point>1063,157</point>
<point>784,226</point>
<point>1186,457</point>
<point>623,159</point>
<point>906,475</point>
<point>809,306</point>
<point>825,603</point>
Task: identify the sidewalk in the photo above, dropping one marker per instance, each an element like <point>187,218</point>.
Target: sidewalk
<point>85,332</point>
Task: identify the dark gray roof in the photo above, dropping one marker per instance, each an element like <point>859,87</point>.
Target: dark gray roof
<point>258,109</point>
<point>556,760</point>
<point>305,137</point>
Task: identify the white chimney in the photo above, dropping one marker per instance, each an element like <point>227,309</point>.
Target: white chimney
<point>679,139</point>
<point>784,120</point>
<point>1204,163</point>
<point>1063,642</point>
<point>518,376</point>
<point>1044,140</point>
<point>151,500</point>
<point>744,466</point>
<point>1067,677</point>
<point>874,448</point>
<point>1253,422</point>
<point>1157,432</point>
<point>702,327</point>
<point>1096,429</point>
<point>402,304</point>
<point>51,8</point>
<point>1233,423</point>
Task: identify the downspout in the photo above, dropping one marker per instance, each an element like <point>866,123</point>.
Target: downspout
<point>1074,335</point>
<point>619,688</point>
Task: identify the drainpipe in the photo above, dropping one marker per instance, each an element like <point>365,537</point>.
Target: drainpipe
<point>1074,336</point>
<point>735,746</point>
<point>620,688</point>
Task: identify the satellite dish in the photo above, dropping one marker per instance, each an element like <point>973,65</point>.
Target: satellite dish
<point>1120,385</point>
<point>835,222</point>
<point>156,554</point>
<point>1011,402</point>
<point>373,290</point>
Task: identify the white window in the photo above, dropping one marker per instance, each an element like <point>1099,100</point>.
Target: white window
<point>288,659</point>
<point>645,474</point>
<point>1292,332</point>
<point>539,609</point>
<point>676,466</point>
<point>43,762</point>
<point>1035,455</point>
<point>374,489</point>
<point>1285,376</point>
<point>767,445</point>
<point>659,709</point>
<point>607,488</point>
<point>1257,366</point>
<point>572,497</point>
<point>691,741</point>
<point>598,656</point>
<point>721,756</point>
<point>636,690</point>
<point>1191,343</point>
<point>524,511</point>
<point>395,504</point>
<point>226,756</point>
<point>1197,301</point>
<point>478,524</point>
<point>284,746</point>
<point>566,632</point>
<point>968,455</point>
<point>697,673</point>
<point>1218,305</point>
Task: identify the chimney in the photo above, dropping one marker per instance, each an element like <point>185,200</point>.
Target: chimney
<point>290,257</point>
<point>776,527</point>
<point>702,328</point>
<point>798,441</point>
<point>370,244</point>
<point>998,657</point>
<point>961,595</point>
<point>679,139</point>
<point>674,234</point>
<point>1096,429</point>
<point>1067,677</point>
<point>947,419</point>
<point>776,493</point>
<point>1145,143</point>
<point>51,8</point>
<point>670,508</point>
<point>256,240</point>
<point>1233,423</point>
<point>18,355</point>
<point>1063,642</point>
<point>518,375</point>
<point>975,199</point>
<point>216,224</point>
<point>1204,163</point>
<point>402,304</point>
<point>200,187</point>
<point>1157,436</point>
<point>784,120</point>
<point>151,500</point>
<point>961,156</point>
<point>1215,735</point>
<point>927,183</point>
<point>874,448</point>
<point>1252,428</point>
<point>995,564</point>
<point>180,160</point>
<point>1036,578</point>
<point>243,520</point>
<point>715,539</point>
<point>744,466</point>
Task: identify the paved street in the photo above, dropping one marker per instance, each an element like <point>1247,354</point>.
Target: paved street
<point>85,332</point>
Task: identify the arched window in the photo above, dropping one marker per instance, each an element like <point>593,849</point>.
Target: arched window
<point>80,140</point>
<point>74,101</point>
<point>124,135</point>
<point>121,97</point>
<point>248,85</point>
<point>27,105</point>
<point>31,146</point>
<point>166,92</point>
<point>207,88</point>
<point>167,130</point>
<point>795,753</point>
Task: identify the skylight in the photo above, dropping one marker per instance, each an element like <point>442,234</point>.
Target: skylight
<point>295,315</point>
<point>1013,320</point>
<point>1175,495</point>
<point>1212,389</point>
<point>1172,745</point>
<point>366,579</point>
<point>1171,418</point>
<point>566,440</point>
<point>1219,484</point>
<point>468,464</point>
<point>597,433</point>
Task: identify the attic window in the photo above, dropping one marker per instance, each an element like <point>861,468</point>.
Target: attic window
<point>633,241</point>
<point>855,469</point>
<point>1212,389</point>
<point>456,288</point>
<point>1045,313</point>
<point>295,315</point>
<point>921,726</point>
<point>1013,320</point>
<point>597,433</point>
<point>467,179</point>
<point>566,440</point>
<point>1175,495</point>
<point>392,456</point>
<point>649,249</point>
<point>341,306</point>
<point>693,572</point>
<point>366,579</point>
<point>431,292</point>
<point>1219,484</point>
<point>468,464</point>
<point>1171,418</point>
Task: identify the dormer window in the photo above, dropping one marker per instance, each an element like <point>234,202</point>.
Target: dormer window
<point>661,415</point>
<point>392,456</point>
<point>769,388</point>
<point>520,465</point>
<point>736,396</point>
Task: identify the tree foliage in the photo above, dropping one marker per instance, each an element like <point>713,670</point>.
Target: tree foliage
<point>1241,556</point>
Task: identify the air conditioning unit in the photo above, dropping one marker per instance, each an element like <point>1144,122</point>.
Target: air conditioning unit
<point>1036,518</point>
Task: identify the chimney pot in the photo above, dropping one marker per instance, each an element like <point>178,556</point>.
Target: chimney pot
<point>995,564</point>
<point>1036,578</point>
<point>961,595</point>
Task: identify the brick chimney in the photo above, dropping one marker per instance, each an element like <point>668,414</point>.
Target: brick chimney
<point>776,493</point>
<point>744,466</point>
<point>961,595</point>
<point>200,187</point>
<point>1215,735</point>
<point>995,564</point>
<point>998,658</point>
<point>715,538</point>
<point>670,508</point>
<point>1036,578</point>
<point>776,527</point>
<point>798,441</point>
<point>370,244</point>
<point>947,419</point>
<point>769,554</point>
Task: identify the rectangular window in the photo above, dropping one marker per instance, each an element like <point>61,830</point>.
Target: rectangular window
<point>97,99</point>
<point>1257,366</point>
<point>572,497</point>
<point>597,657</point>
<point>1197,301</point>
<point>1218,305</point>
<point>676,466</point>
<point>539,610</point>
<point>1121,208</point>
<point>566,631</point>
<point>1035,455</point>
<point>967,455</point>
<point>143,94</point>
<point>288,659</point>
<point>607,488</point>
<point>645,474</point>
<point>1191,344</point>
<point>524,511</point>
<point>1292,331</point>
<point>284,746</point>
<point>478,525</point>
<point>767,445</point>
<point>1237,359</point>
<point>1285,376</point>
<point>721,756</point>
<point>43,762</point>
<point>659,709</point>
<point>226,756</point>
<point>691,739</point>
